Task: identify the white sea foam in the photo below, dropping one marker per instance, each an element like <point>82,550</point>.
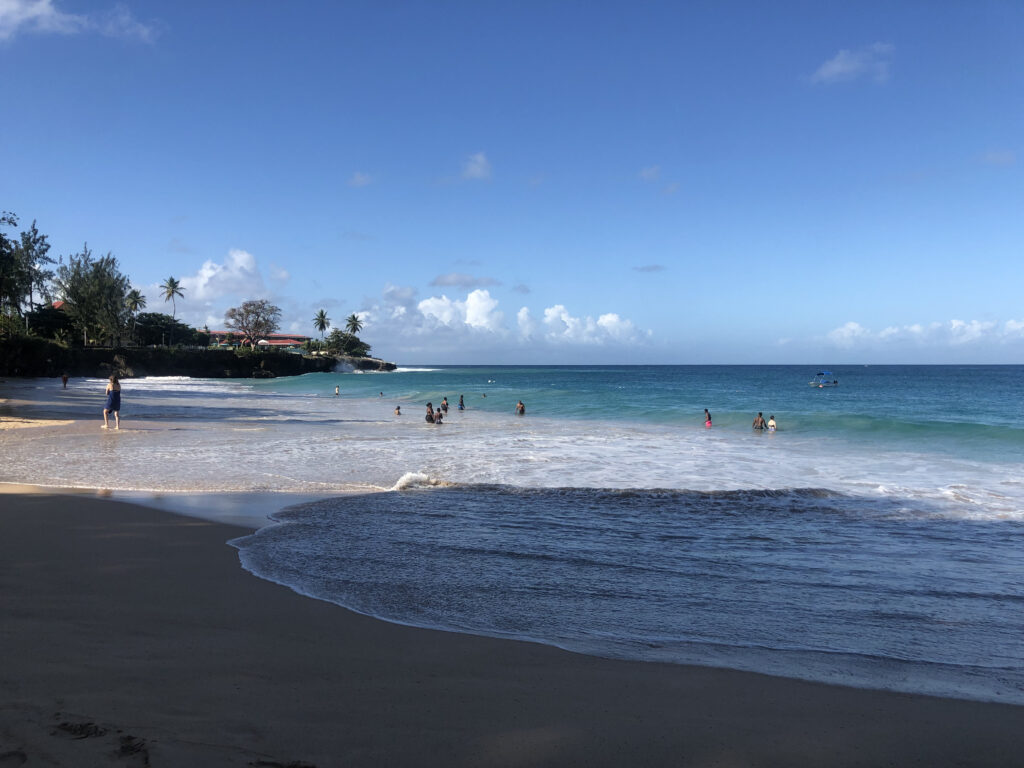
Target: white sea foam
<point>183,434</point>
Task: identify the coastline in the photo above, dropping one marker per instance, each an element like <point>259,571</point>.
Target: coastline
<point>139,632</point>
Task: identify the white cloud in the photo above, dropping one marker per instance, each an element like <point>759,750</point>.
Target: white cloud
<point>965,333</point>
<point>481,311</point>
<point>119,22</point>
<point>478,311</point>
<point>462,280</point>
<point>563,327</point>
<point>42,17</point>
<point>849,334</point>
<point>871,61</point>
<point>279,274</point>
<point>526,323</point>
<point>237,276</point>
<point>360,179</point>
<point>476,167</point>
<point>36,16</point>
<point>475,328</point>
<point>952,333</point>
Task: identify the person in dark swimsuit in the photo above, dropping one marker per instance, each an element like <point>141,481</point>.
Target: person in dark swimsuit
<point>462,405</point>
<point>707,418</point>
<point>430,413</point>
<point>520,409</point>
<point>113,404</point>
<point>759,421</point>
<point>444,404</point>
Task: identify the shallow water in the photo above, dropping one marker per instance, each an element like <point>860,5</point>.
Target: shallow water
<point>876,539</point>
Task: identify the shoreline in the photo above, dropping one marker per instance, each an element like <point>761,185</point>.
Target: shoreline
<point>139,630</point>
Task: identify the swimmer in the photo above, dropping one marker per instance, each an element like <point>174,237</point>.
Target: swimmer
<point>430,413</point>
<point>438,415</point>
<point>520,409</point>
<point>398,410</point>
<point>337,391</point>
<point>707,418</point>
<point>759,421</point>
<point>444,404</point>
<point>462,405</point>
<point>771,423</point>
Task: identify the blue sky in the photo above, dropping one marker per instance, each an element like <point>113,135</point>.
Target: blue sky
<point>578,182</point>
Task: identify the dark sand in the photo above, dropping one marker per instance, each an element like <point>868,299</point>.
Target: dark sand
<point>132,637</point>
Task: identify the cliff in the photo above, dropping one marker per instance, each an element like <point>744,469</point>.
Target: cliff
<point>30,357</point>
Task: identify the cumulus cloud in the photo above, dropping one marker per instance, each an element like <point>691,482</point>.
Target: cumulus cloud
<point>360,179</point>
<point>462,280</point>
<point>848,334</point>
<point>43,17</point>
<point>478,311</point>
<point>477,167</point>
<point>562,327</point>
<point>238,275</point>
<point>871,62</point>
<point>474,327</point>
<point>951,333</point>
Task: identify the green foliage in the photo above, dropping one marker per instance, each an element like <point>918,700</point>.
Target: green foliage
<point>341,343</point>
<point>254,320</point>
<point>49,323</point>
<point>321,322</point>
<point>353,324</point>
<point>158,329</point>
<point>23,273</point>
<point>172,288</point>
<point>94,291</point>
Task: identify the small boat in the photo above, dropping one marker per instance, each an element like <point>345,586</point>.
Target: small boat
<point>824,379</point>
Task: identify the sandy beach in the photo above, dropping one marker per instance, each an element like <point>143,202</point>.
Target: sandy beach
<point>132,637</point>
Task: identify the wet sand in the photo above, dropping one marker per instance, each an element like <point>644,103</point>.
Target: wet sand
<point>131,636</point>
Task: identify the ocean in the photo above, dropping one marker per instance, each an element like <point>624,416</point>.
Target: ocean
<point>875,540</point>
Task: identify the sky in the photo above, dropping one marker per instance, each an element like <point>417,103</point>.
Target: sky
<point>542,182</point>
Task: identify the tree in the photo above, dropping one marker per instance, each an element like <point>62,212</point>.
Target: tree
<point>156,328</point>
<point>353,324</point>
<point>321,322</point>
<point>94,294</point>
<point>133,302</point>
<point>22,269</point>
<point>172,288</point>
<point>341,343</point>
<point>254,320</point>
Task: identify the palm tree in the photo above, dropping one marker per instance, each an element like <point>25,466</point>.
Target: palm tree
<point>133,302</point>
<point>353,324</point>
<point>172,288</point>
<point>321,322</point>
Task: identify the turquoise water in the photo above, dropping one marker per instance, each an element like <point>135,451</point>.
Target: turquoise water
<point>977,410</point>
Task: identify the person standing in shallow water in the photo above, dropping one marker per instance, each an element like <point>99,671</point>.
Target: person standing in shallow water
<point>430,413</point>
<point>759,421</point>
<point>113,404</point>
<point>520,409</point>
<point>707,418</point>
